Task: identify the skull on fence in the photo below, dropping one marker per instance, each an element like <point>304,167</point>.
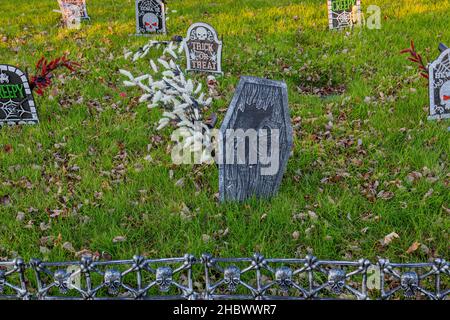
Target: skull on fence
<point>62,281</point>
<point>113,281</point>
<point>283,277</point>
<point>164,278</point>
<point>409,282</point>
<point>336,280</point>
<point>232,277</point>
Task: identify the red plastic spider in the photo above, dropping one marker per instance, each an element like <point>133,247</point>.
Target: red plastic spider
<point>43,78</point>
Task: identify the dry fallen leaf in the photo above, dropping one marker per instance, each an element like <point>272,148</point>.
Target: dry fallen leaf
<point>446,209</point>
<point>119,239</point>
<point>413,247</point>
<point>413,176</point>
<point>20,216</point>
<point>84,252</point>
<point>388,239</point>
<point>8,148</point>
<point>44,250</point>
<point>428,194</point>
<point>179,183</point>
<point>425,249</point>
<point>68,246</point>
<point>312,215</point>
<point>106,256</point>
<point>385,195</point>
<point>5,200</point>
<point>206,238</point>
<point>44,227</point>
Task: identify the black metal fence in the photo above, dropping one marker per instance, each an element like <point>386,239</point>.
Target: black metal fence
<point>213,278</point>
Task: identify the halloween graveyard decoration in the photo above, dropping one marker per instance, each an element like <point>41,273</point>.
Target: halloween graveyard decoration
<point>17,105</point>
<point>416,58</point>
<point>44,72</point>
<point>81,4</point>
<point>16,98</point>
<point>439,85</point>
<point>150,17</point>
<point>343,13</point>
<point>184,102</point>
<point>255,140</point>
<point>203,49</point>
<point>73,11</point>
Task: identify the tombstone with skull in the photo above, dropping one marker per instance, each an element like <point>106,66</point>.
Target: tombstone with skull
<point>439,86</point>
<point>203,49</point>
<point>201,33</point>
<point>150,17</point>
<point>151,22</point>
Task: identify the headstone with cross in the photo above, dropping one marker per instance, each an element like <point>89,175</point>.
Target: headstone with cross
<point>343,13</point>
<point>150,17</point>
<point>16,98</point>
<point>203,49</point>
<point>439,85</point>
<point>255,142</point>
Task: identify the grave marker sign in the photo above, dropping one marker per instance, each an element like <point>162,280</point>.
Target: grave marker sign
<point>341,13</point>
<point>203,49</point>
<point>16,98</point>
<point>150,17</point>
<point>439,86</point>
<point>255,140</point>
<point>73,10</point>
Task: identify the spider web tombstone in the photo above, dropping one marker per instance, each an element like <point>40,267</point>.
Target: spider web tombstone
<point>255,140</point>
<point>150,17</point>
<point>439,86</point>
<point>16,99</point>
<point>341,13</point>
<point>203,49</point>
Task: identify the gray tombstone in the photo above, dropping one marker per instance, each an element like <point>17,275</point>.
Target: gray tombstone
<point>439,86</point>
<point>341,13</point>
<point>150,17</point>
<point>255,141</point>
<point>16,98</point>
<point>203,49</point>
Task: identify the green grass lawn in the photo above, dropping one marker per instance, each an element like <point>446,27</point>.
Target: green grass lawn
<point>80,179</point>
